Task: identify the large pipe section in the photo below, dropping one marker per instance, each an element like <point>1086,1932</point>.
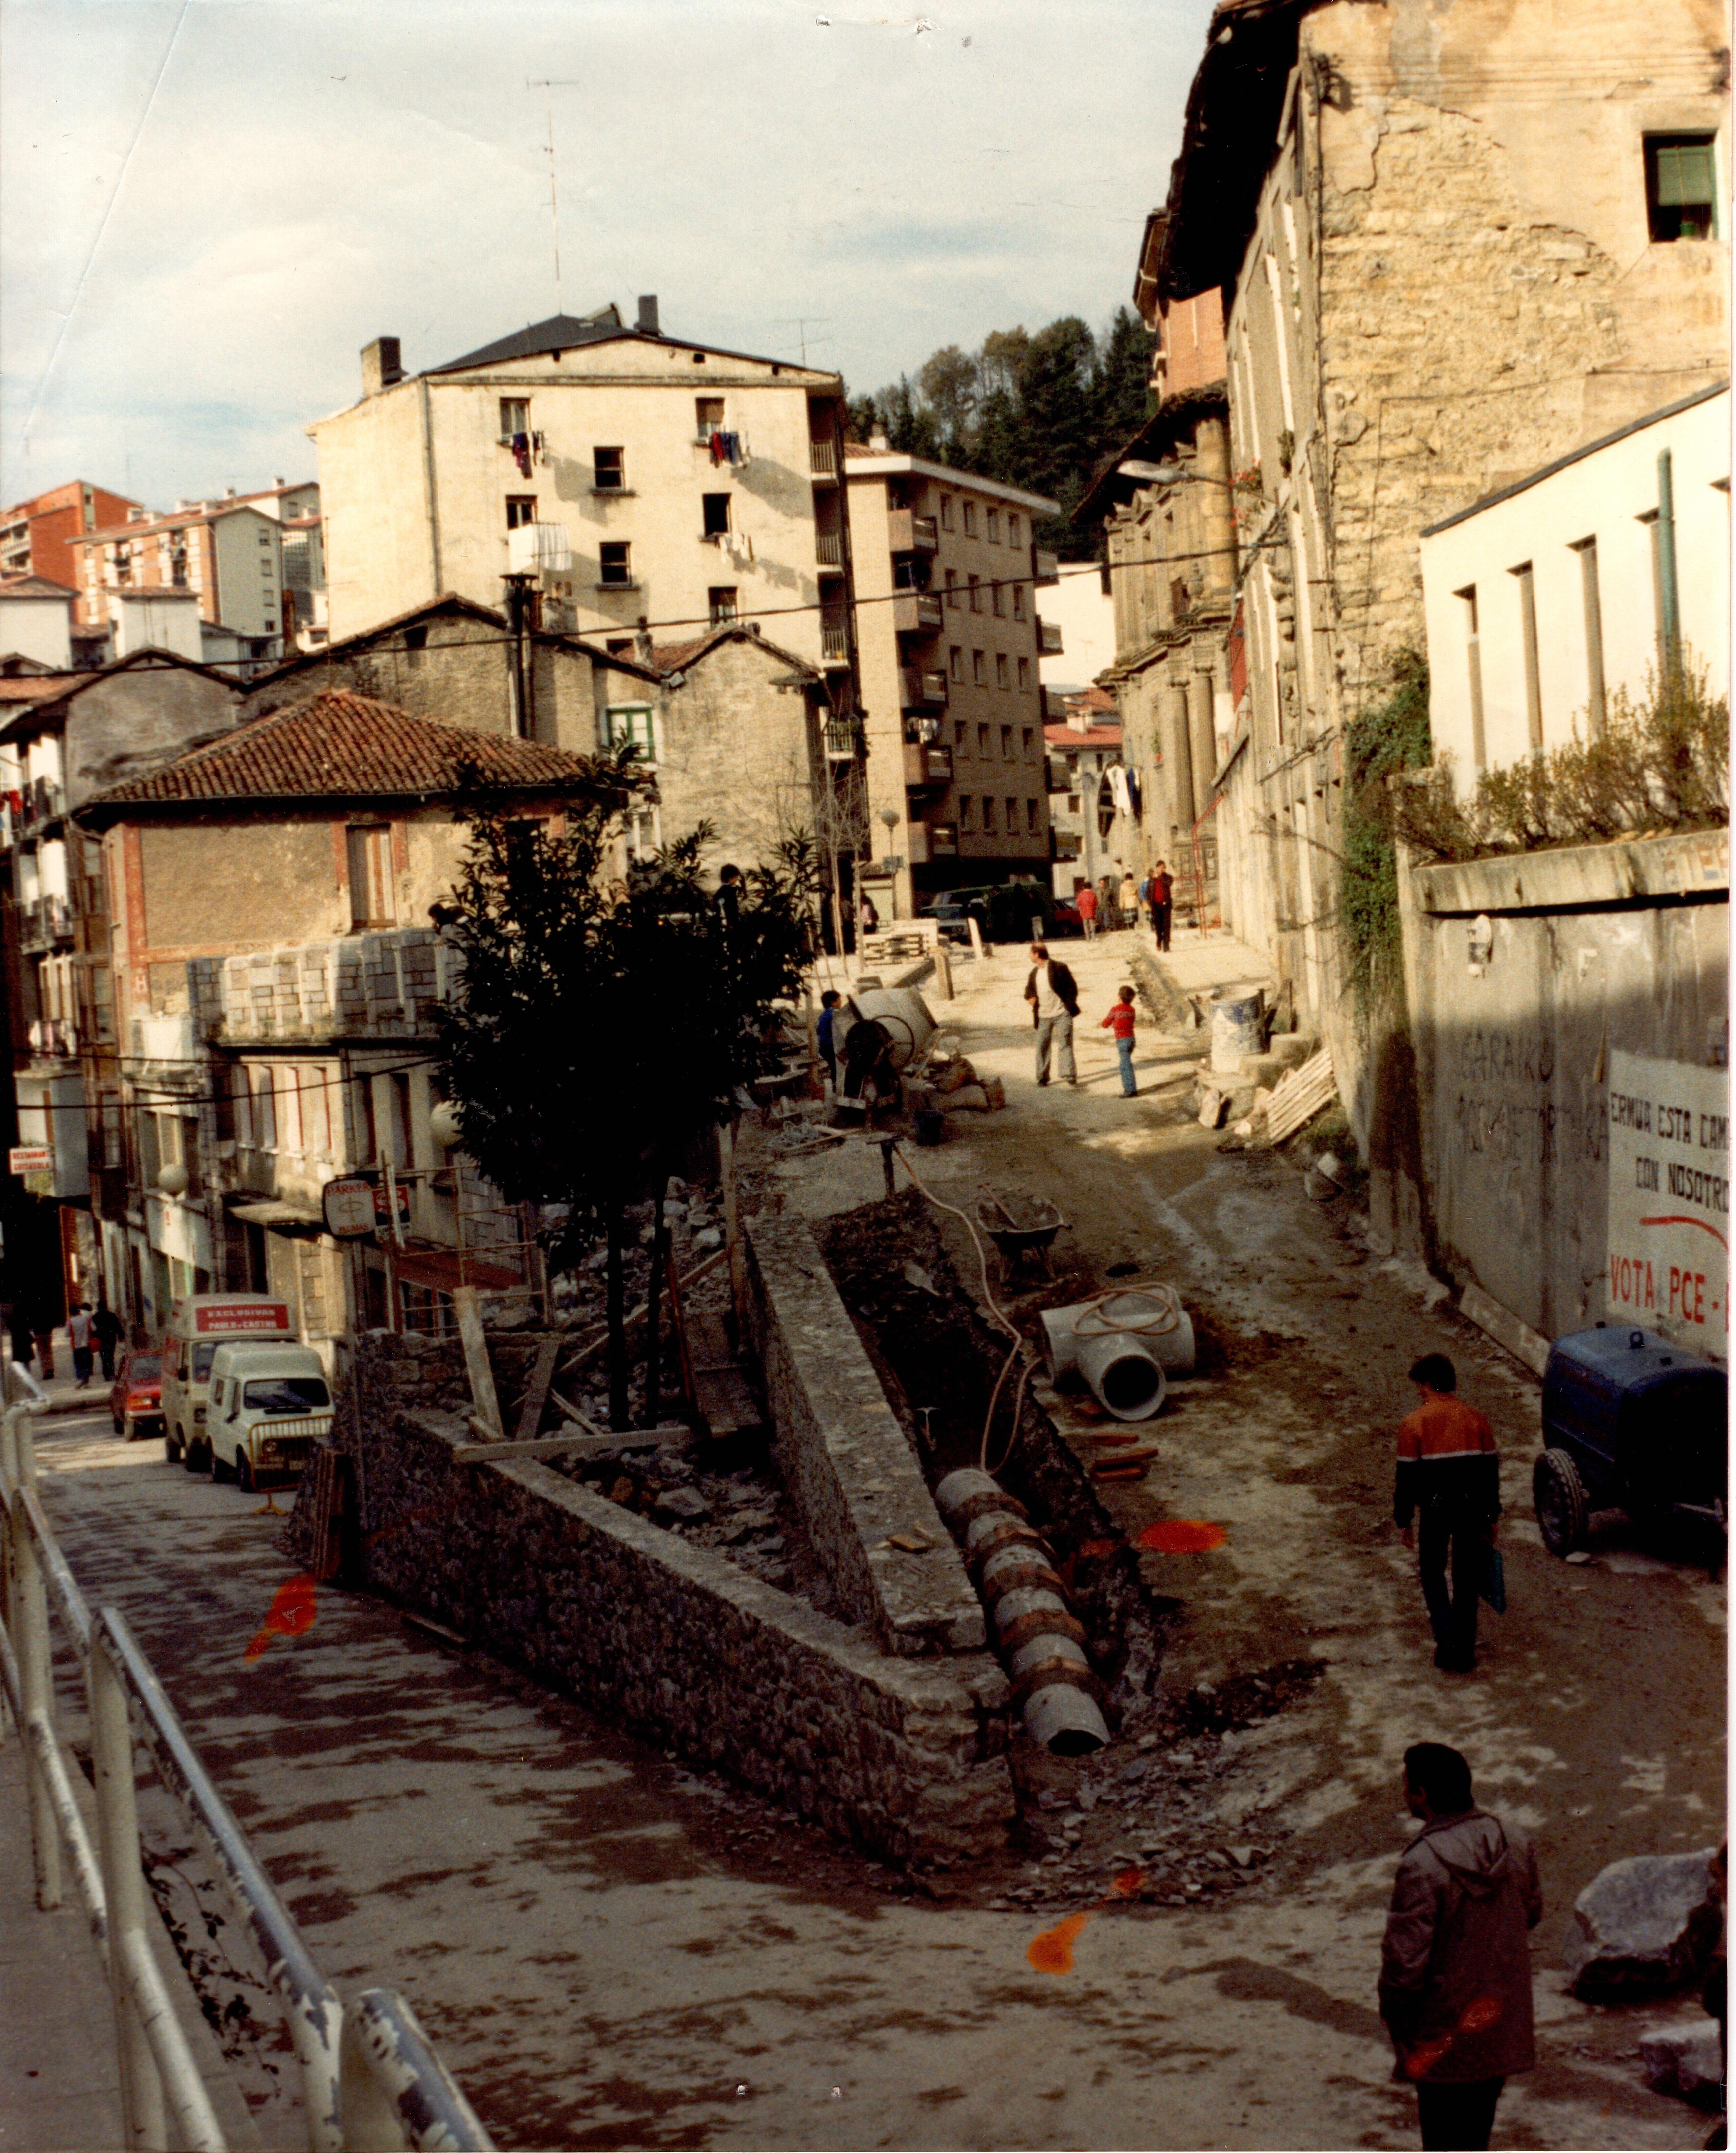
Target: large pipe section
<point>1124,1346</point>
<point>1040,1639</point>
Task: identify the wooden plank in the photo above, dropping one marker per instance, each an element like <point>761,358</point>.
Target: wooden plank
<point>722,1395</point>
<point>599,1442</point>
<point>467,1308</point>
<point>535,1396</point>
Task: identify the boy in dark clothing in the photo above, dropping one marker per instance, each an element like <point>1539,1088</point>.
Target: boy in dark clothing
<point>1054,1000</point>
<point>107,1326</point>
<point>823,1032</point>
<point>1449,1478</point>
<point>1163,897</point>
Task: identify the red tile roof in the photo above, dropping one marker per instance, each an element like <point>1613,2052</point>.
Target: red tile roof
<point>34,587</point>
<point>667,658</point>
<point>342,746</point>
<point>1065,736</point>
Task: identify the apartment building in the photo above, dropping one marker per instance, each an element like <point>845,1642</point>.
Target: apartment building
<point>1094,806</point>
<point>37,536</point>
<point>946,578</point>
<point>229,556</point>
<point>275,983</point>
<point>295,509</point>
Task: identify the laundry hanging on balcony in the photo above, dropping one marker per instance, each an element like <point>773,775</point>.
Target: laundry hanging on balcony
<point>728,447</point>
<point>521,453</point>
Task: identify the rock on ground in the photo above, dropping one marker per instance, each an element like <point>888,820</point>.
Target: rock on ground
<point>1687,2061</point>
<point>1642,1926</point>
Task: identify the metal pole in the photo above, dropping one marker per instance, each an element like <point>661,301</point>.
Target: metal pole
<point>117,1815</point>
<point>29,1627</point>
<point>1668,590</point>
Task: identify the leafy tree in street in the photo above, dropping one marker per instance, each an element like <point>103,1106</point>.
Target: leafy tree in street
<point>596,1033</point>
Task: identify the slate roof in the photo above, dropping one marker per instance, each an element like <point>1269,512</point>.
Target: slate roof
<point>34,587</point>
<point>342,746</point>
<point>559,332</point>
<point>667,658</point>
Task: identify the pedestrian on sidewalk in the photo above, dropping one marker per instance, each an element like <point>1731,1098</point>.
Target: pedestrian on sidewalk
<point>1163,901</point>
<point>1054,1000</point>
<point>106,1324</point>
<point>1455,1978</point>
<point>80,1327</point>
<point>1085,904</point>
<point>867,916</point>
<point>1449,1478</point>
<point>825,1031</point>
<point>1120,1021</point>
<point>1129,900</point>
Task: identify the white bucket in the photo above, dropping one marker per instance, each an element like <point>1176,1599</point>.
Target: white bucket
<point>1238,1027</point>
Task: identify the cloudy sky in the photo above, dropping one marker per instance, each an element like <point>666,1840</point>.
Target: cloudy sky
<point>209,205</point>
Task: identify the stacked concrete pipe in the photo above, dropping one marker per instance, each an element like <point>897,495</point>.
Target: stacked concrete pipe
<point>1040,1638</point>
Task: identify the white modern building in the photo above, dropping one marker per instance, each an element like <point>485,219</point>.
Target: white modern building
<point>1544,600</point>
<point>1079,606</point>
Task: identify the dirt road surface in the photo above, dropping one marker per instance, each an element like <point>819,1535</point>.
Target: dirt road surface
<point>613,1950</point>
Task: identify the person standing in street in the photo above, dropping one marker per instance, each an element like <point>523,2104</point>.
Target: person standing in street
<point>1163,901</point>
<point>1129,901</point>
<point>1085,904</point>
<point>1448,1478</point>
<point>867,917</point>
<point>1054,1000</point>
<point>1120,1021</point>
<point>78,1329</point>
<point>826,1034</point>
<point>1455,1978</point>
<point>106,1324</point>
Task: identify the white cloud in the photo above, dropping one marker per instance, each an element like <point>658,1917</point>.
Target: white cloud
<point>314,173</point>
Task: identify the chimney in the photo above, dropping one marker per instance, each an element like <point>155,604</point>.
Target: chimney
<point>647,315</point>
<point>880,444</point>
<point>381,366</point>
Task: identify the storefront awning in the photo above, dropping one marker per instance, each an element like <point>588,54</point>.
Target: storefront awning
<point>273,1211</point>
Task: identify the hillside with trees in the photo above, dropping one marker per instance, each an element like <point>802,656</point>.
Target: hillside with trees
<point>1039,411</point>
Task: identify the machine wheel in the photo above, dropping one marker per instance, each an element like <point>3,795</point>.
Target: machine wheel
<point>192,1455</point>
<point>1559,1495</point>
<point>219,1470</point>
<point>171,1449</point>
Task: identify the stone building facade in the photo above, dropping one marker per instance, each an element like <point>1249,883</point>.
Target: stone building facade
<point>1453,246</point>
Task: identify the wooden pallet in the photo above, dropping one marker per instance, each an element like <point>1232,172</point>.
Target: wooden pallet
<point>1299,1096</point>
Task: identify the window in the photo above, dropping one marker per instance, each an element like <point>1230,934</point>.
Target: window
<point>715,507</point>
<point>971,519</point>
<point>988,814</point>
<point>1003,676</point>
<point>1031,806</point>
<point>521,509</point>
<point>976,596</point>
<point>265,1108</point>
<point>955,663</point>
<point>977,666</point>
<point>370,875</point>
<point>515,416</point>
<point>1526,579</point>
<point>1024,672</point>
<point>1474,669</point>
<point>994,522</point>
<point>1006,743</point>
<point>1012,527</point>
<point>614,558</point>
<point>1012,816</point>
<point>1592,599</point>
<point>952,586</point>
<point>997,599</point>
<point>367,1143</point>
<point>635,722</point>
<point>1681,186</point>
<point>959,732</point>
<point>608,470</point>
<point>720,603</point>
<point>416,641</point>
<point>982,740</point>
<point>707,416</point>
<point>316,1109</point>
<point>967,812</point>
<point>946,511</point>
<point>397,1092</point>
<point>1028,741</point>
<point>1018,602</point>
<point>286,1081</point>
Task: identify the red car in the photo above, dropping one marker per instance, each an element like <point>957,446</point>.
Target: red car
<point>135,1403</point>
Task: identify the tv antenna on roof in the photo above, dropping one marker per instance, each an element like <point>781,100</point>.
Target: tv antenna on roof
<point>801,324</point>
<point>548,87</point>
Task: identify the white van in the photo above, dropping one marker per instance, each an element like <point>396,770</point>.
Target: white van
<point>197,1326</point>
<point>267,1405</point>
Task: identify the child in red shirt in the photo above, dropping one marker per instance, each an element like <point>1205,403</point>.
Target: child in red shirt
<point>1120,1021</point>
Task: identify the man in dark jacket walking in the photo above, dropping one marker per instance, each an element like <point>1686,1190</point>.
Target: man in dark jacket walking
<point>1455,1978</point>
<point>1449,1478</point>
<point>1054,1002</point>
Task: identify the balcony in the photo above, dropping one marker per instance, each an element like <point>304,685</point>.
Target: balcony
<point>1045,568</point>
<point>43,800</point>
<point>1048,638</point>
<point>539,549</point>
<point>829,548</point>
<point>925,766</point>
<point>917,613</point>
<point>822,460</point>
<point>909,533</point>
<point>43,922</point>
<point>920,690</point>
<point>932,841</point>
<point>834,639</point>
<point>844,741</point>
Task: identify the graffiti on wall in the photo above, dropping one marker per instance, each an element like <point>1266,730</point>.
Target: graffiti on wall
<point>1669,1197</point>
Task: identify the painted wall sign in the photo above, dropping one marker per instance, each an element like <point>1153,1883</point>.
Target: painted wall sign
<point>1669,1203</point>
<point>32,1158</point>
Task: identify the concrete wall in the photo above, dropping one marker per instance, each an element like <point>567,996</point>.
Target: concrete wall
<point>904,1756</point>
<point>1596,953</point>
<point>38,627</point>
<point>157,620</point>
<point>128,721</point>
<point>1084,613</point>
<point>1603,498</point>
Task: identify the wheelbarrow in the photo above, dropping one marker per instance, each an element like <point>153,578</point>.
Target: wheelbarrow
<point>1021,1240</point>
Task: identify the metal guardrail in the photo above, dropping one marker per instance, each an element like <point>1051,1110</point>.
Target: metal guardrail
<point>371,2083</point>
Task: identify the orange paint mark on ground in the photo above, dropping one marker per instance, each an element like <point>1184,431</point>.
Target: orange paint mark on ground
<point>1052,1952</point>
<point>1130,1881</point>
<point>293,1609</point>
<point>1182,1536</point>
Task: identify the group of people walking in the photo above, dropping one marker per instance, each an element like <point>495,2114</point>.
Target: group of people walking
<point>1109,903</point>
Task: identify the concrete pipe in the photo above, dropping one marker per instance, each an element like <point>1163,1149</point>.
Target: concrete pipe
<point>1122,1373</point>
<point>1066,1720</point>
<point>1154,1313</point>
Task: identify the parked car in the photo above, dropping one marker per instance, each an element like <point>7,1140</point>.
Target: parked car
<point>1629,1421</point>
<point>135,1400</point>
<point>953,914</point>
<point>197,1326</point>
<point>1064,920</point>
<point>1003,911</point>
<point>268,1407</point>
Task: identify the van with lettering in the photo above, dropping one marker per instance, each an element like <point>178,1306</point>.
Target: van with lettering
<point>268,1406</point>
<point>197,1326</point>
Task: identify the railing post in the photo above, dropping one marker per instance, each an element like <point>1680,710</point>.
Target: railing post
<point>29,1627</point>
<point>117,1814</point>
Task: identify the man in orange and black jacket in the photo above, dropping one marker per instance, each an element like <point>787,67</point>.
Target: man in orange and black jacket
<point>1449,1479</point>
